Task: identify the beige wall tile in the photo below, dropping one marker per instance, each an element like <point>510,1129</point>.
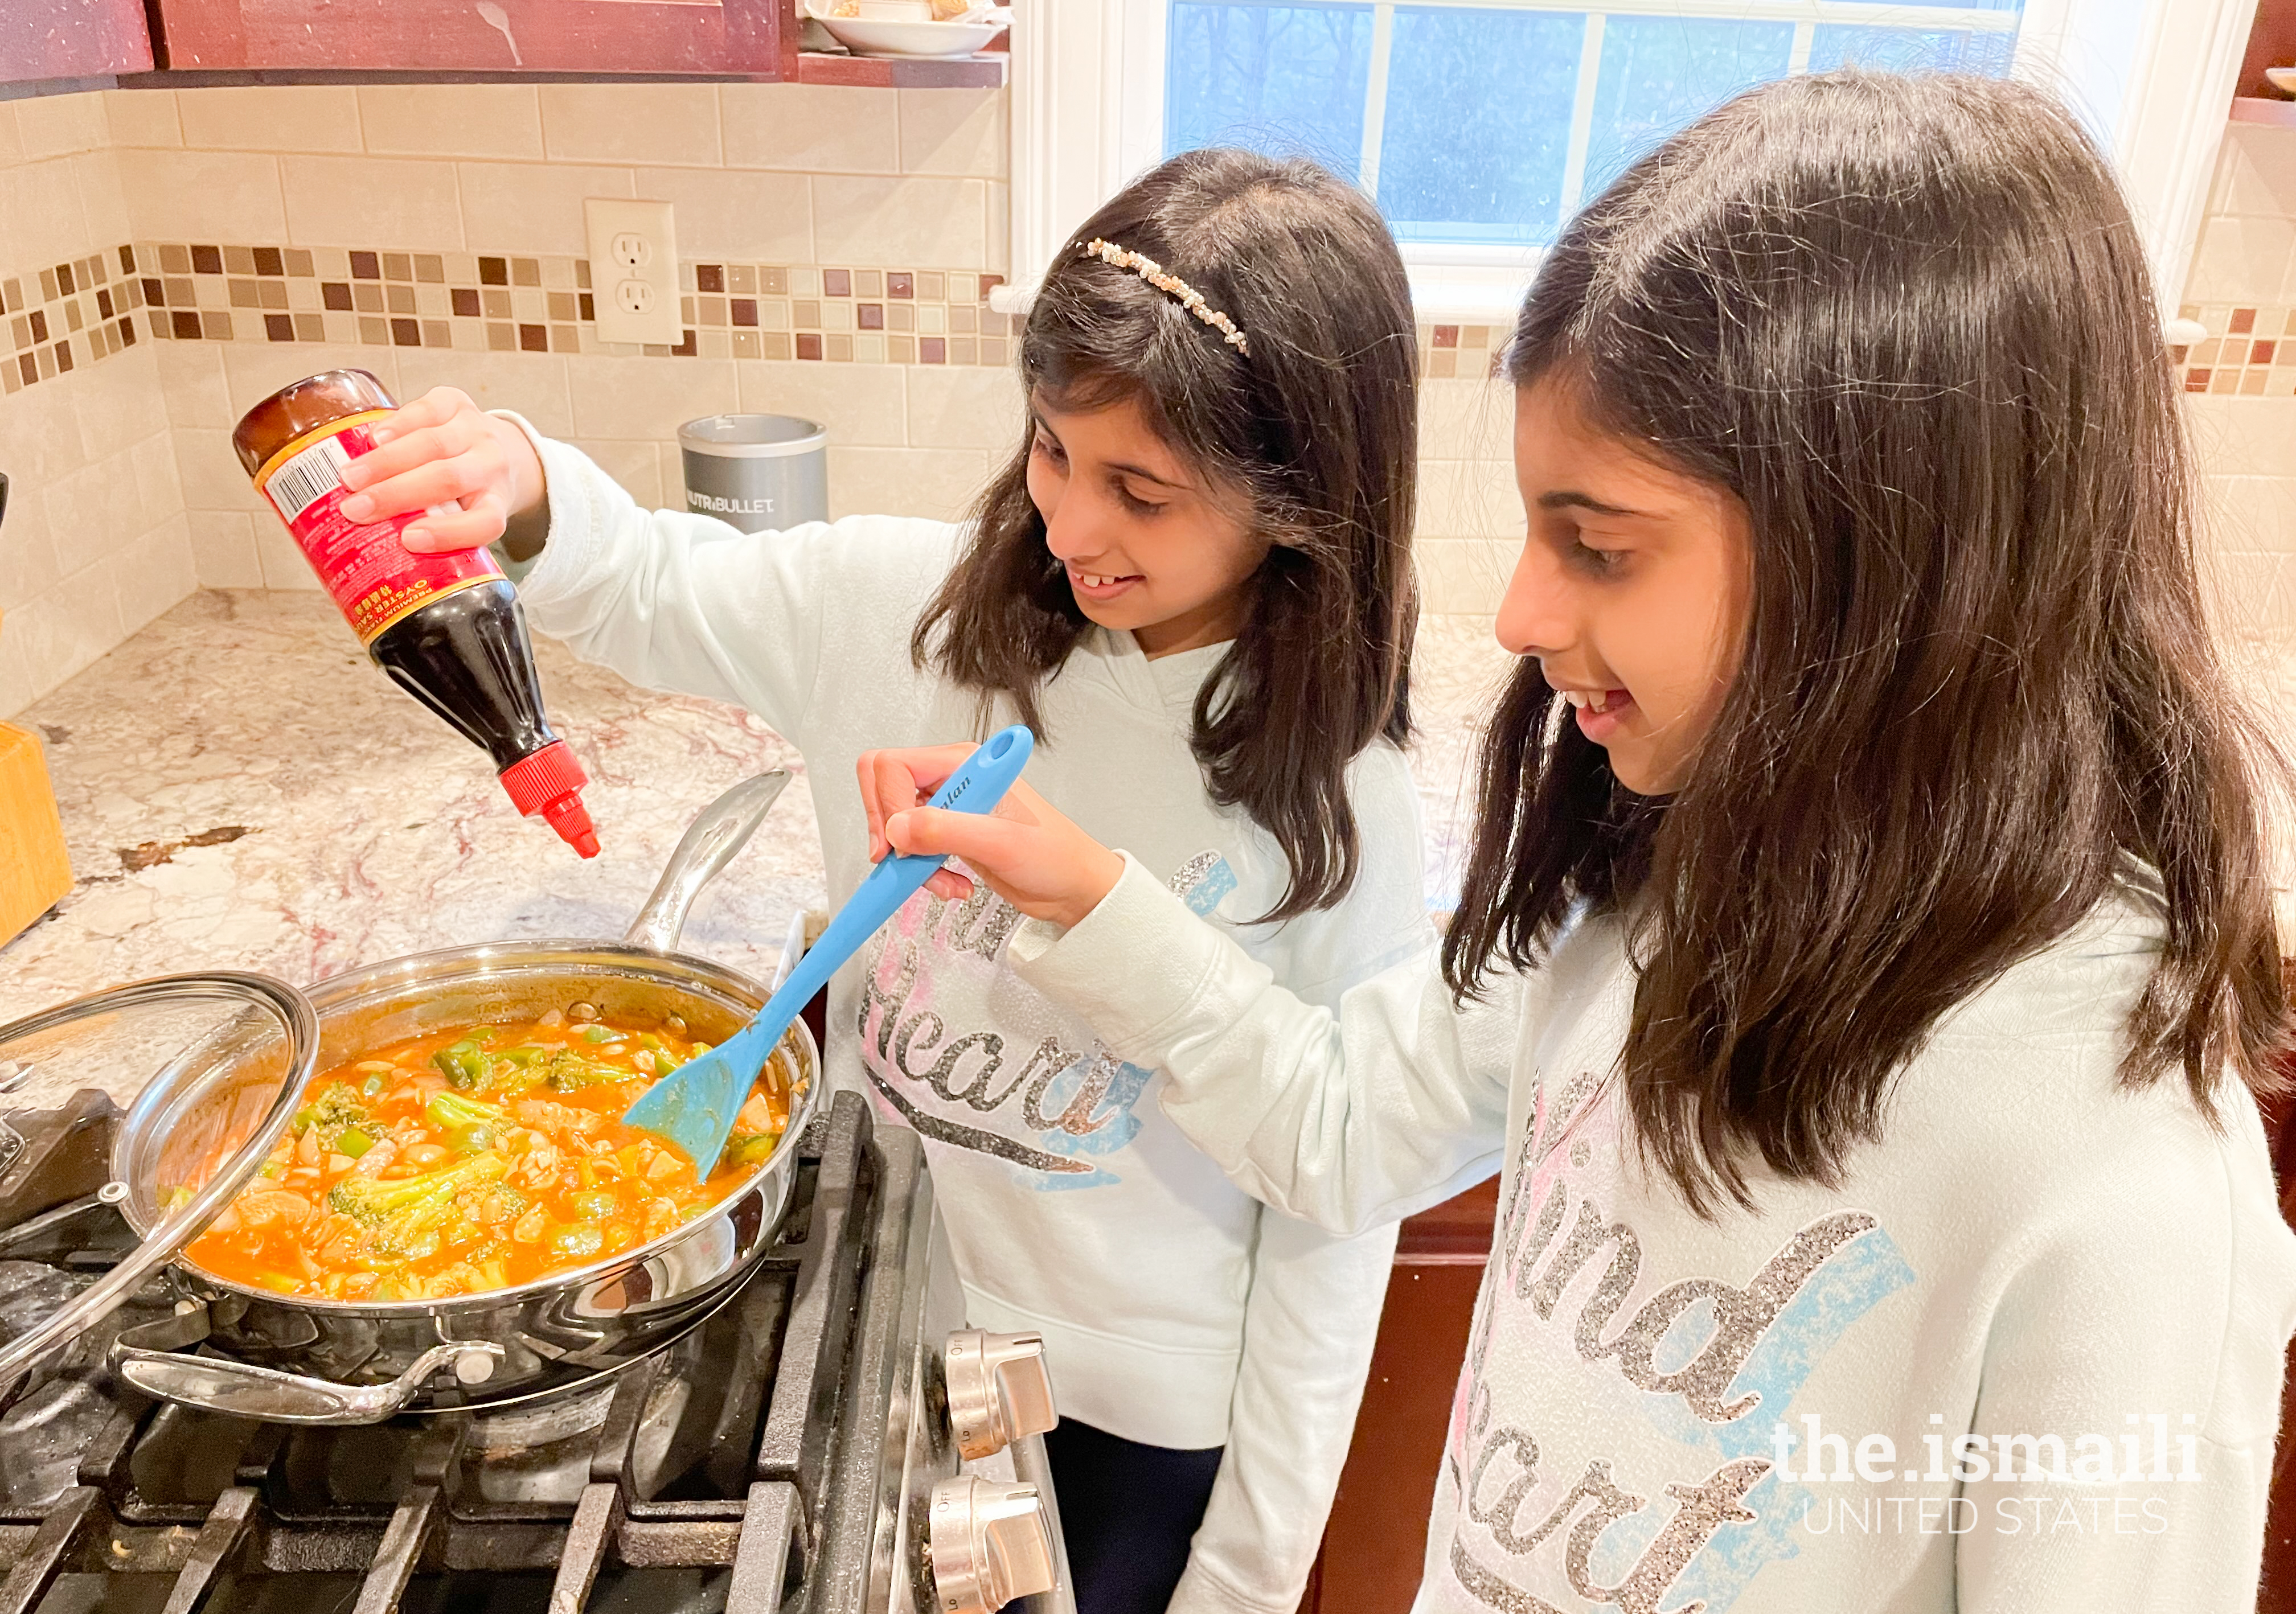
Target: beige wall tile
<point>952,407</point>
<point>1468,499</point>
<point>809,128</point>
<point>960,132</point>
<point>2256,171</point>
<point>997,197</point>
<point>2242,260</point>
<point>357,202</point>
<point>44,220</point>
<point>70,628</point>
<point>1465,419</point>
<point>530,208</point>
<point>1466,575</point>
<point>94,510</point>
<point>11,145</point>
<point>104,199</point>
<point>154,572</point>
<point>211,477</point>
<point>2244,437</point>
<point>158,488</point>
<point>861,404</point>
<point>271,118</point>
<point>28,551</point>
<point>648,397</point>
<point>143,117</point>
<point>922,222</point>
<point>451,119</point>
<point>192,383</point>
<point>120,404</point>
<point>675,125</point>
<point>39,432</point>
<point>56,126</point>
<point>2250,512</point>
<point>637,465</point>
<point>533,384</point>
<point>187,195</point>
<point>939,483</point>
<point>223,549</point>
<point>762,217</point>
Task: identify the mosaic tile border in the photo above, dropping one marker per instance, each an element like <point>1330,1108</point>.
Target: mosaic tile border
<point>485,302</point>
<point>71,315</point>
<point>67,317</point>
<point>2248,352</point>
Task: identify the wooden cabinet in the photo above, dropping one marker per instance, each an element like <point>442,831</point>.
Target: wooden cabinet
<point>71,39</point>
<point>1378,1530</point>
<point>744,38</point>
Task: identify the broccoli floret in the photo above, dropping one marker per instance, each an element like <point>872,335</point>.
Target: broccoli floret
<point>448,1110</point>
<point>569,1072</point>
<point>337,1110</point>
<point>398,1213</point>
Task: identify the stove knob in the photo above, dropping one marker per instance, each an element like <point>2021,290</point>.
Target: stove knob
<point>998,1390</point>
<point>989,1543</point>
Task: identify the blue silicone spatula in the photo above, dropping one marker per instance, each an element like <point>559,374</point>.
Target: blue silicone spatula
<point>694,1105</point>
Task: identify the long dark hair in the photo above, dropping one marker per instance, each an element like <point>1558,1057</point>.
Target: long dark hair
<point>1908,323</point>
<point>1315,427</point>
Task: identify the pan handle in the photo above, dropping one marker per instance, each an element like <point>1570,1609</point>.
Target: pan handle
<point>143,1356</point>
<point>722,829</point>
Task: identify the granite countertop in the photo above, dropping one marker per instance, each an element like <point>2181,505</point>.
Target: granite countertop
<point>241,788</point>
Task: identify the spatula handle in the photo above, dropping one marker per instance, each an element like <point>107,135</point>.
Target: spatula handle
<point>977,787</point>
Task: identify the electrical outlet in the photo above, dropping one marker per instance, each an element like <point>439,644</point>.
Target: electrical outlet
<point>634,271</point>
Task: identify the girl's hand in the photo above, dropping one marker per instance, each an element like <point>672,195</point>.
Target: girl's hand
<point>1029,855</point>
<point>444,454</point>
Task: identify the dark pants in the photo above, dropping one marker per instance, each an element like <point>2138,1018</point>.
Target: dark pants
<point>1128,1512</point>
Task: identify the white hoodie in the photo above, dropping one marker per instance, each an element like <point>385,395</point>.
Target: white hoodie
<point>1174,1311</point>
<point>1766,1411</point>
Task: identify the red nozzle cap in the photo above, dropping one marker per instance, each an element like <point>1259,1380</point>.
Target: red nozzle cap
<point>550,782</point>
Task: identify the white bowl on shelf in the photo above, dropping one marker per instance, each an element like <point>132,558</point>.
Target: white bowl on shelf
<point>882,35</point>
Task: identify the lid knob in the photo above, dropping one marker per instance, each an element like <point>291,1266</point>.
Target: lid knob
<point>989,1543</point>
<point>998,1390</point>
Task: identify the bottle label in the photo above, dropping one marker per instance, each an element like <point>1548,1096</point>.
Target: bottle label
<point>375,578</point>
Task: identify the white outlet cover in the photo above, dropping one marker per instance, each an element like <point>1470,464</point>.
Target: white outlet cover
<point>619,232</point>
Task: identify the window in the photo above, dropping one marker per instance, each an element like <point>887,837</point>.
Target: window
<point>1486,123</point>
<point>1479,125</point>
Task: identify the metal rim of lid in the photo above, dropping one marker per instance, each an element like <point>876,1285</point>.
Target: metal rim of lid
<point>694,439</point>
<point>263,993</point>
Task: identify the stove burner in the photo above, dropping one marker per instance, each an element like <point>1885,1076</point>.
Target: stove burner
<point>742,1464</point>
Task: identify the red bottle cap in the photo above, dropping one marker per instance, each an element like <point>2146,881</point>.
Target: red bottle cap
<point>550,782</point>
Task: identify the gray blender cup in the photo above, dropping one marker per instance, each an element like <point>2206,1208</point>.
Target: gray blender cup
<point>756,472</point>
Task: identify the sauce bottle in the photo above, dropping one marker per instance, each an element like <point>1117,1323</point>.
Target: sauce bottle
<point>446,628</point>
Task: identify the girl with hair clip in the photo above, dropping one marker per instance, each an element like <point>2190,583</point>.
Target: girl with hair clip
<point>1193,580</point>
<point>1864,968</point>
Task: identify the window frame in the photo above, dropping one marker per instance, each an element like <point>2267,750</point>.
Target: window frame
<point>1088,105</point>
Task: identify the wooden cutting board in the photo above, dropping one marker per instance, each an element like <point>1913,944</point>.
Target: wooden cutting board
<point>34,871</point>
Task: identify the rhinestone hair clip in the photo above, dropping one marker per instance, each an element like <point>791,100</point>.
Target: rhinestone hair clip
<point>1171,285</point>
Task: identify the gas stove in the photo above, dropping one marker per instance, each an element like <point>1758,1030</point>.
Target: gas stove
<point>830,1439</point>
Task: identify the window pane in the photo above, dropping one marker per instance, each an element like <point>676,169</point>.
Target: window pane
<point>1904,50</point>
<point>1477,123</point>
<point>1660,73</point>
<point>1286,80</point>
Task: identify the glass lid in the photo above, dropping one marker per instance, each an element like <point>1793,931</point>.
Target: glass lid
<point>210,1068</point>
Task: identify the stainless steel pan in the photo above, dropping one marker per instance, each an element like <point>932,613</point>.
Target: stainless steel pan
<point>297,1360</point>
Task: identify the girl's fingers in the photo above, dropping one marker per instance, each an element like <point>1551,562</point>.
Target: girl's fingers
<point>438,481</point>
<point>453,529</point>
<point>435,408</point>
<point>893,781</point>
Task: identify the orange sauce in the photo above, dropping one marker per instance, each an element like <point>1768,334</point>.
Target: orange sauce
<point>473,1159</point>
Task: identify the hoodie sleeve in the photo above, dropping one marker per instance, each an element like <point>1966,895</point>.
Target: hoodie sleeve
<point>1312,1317</point>
<point>1349,1121</point>
<point>687,603</point>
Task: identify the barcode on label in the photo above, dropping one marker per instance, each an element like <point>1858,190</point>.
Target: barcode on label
<point>307,478</point>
